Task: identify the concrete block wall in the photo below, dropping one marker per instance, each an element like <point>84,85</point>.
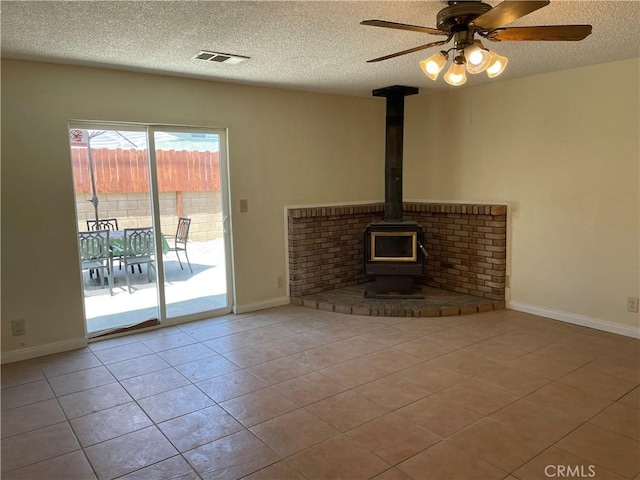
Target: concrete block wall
<point>133,210</point>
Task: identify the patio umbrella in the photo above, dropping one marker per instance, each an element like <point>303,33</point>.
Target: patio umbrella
<point>111,139</point>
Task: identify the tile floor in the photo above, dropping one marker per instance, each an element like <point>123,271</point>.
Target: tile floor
<point>294,393</point>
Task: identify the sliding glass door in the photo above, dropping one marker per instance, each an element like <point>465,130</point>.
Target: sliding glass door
<point>152,224</point>
<point>193,220</point>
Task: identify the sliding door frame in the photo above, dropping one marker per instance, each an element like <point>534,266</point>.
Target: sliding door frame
<point>226,218</point>
<point>154,195</point>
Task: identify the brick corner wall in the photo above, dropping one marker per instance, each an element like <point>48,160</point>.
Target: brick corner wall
<point>466,245</point>
<point>326,246</point>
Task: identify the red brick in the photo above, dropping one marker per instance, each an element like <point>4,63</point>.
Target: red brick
<point>468,310</point>
<point>485,307</point>
<point>498,209</point>
<point>310,303</point>
<point>327,307</point>
<point>495,224</point>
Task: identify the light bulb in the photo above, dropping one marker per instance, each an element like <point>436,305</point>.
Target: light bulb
<point>456,74</point>
<point>433,65</point>
<point>477,57</point>
<point>474,57</point>
<point>497,64</point>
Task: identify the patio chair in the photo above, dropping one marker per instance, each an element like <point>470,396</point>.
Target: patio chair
<point>103,224</point>
<point>107,224</point>
<point>139,248</point>
<point>95,255</point>
<point>180,240</point>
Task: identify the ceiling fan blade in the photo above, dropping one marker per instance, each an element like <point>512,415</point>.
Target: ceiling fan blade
<point>506,12</point>
<point>402,26</point>
<point>411,50</point>
<point>541,33</point>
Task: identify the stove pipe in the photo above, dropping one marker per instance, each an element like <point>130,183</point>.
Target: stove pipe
<point>393,149</point>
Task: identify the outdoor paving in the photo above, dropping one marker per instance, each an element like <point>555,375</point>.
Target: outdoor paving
<point>186,292</point>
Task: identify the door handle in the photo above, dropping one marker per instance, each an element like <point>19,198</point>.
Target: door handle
<point>225,224</point>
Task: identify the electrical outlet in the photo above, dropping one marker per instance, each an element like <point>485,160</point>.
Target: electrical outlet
<point>19,327</point>
<point>280,282</point>
<point>632,304</point>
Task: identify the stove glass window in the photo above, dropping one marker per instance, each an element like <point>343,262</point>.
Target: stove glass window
<point>393,246</point>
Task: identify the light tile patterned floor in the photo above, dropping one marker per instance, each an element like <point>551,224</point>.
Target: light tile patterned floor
<point>294,393</point>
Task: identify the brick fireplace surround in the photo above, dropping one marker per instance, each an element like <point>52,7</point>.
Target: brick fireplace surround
<point>467,246</point>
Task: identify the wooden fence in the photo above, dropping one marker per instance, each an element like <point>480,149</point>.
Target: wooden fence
<point>127,171</point>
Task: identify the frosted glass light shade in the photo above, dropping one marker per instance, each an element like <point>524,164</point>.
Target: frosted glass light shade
<point>456,74</point>
<point>497,64</point>
<point>433,65</point>
<point>478,58</point>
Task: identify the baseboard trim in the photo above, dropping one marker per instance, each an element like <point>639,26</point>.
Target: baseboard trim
<point>252,307</point>
<point>42,350</point>
<point>576,319</point>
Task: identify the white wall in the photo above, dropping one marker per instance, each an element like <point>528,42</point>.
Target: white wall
<point>285,147</point>
<point>563,150</point>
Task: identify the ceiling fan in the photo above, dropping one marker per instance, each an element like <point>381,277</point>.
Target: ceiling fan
<point>461,20</point>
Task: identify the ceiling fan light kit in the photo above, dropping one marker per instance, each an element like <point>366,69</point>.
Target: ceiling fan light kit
<point>474,57</point>
<point>478,58</point>
<point>461,20</point>
<point>497,64</point>
<point>456,75</point>
<point>433,65</point>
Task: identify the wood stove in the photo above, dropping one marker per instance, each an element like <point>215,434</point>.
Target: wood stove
<point>393,250</point>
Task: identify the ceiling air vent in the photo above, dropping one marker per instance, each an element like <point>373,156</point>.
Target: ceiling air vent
<point>217,57</point>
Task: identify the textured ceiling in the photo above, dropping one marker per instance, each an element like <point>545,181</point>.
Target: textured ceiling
<point>304,45</point>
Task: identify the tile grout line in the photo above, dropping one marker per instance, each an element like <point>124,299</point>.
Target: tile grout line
<point>315,370</point>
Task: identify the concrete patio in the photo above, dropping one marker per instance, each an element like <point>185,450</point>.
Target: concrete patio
<point>203,290</point>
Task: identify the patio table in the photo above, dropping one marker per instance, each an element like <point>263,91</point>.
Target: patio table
<point>116,242</point>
